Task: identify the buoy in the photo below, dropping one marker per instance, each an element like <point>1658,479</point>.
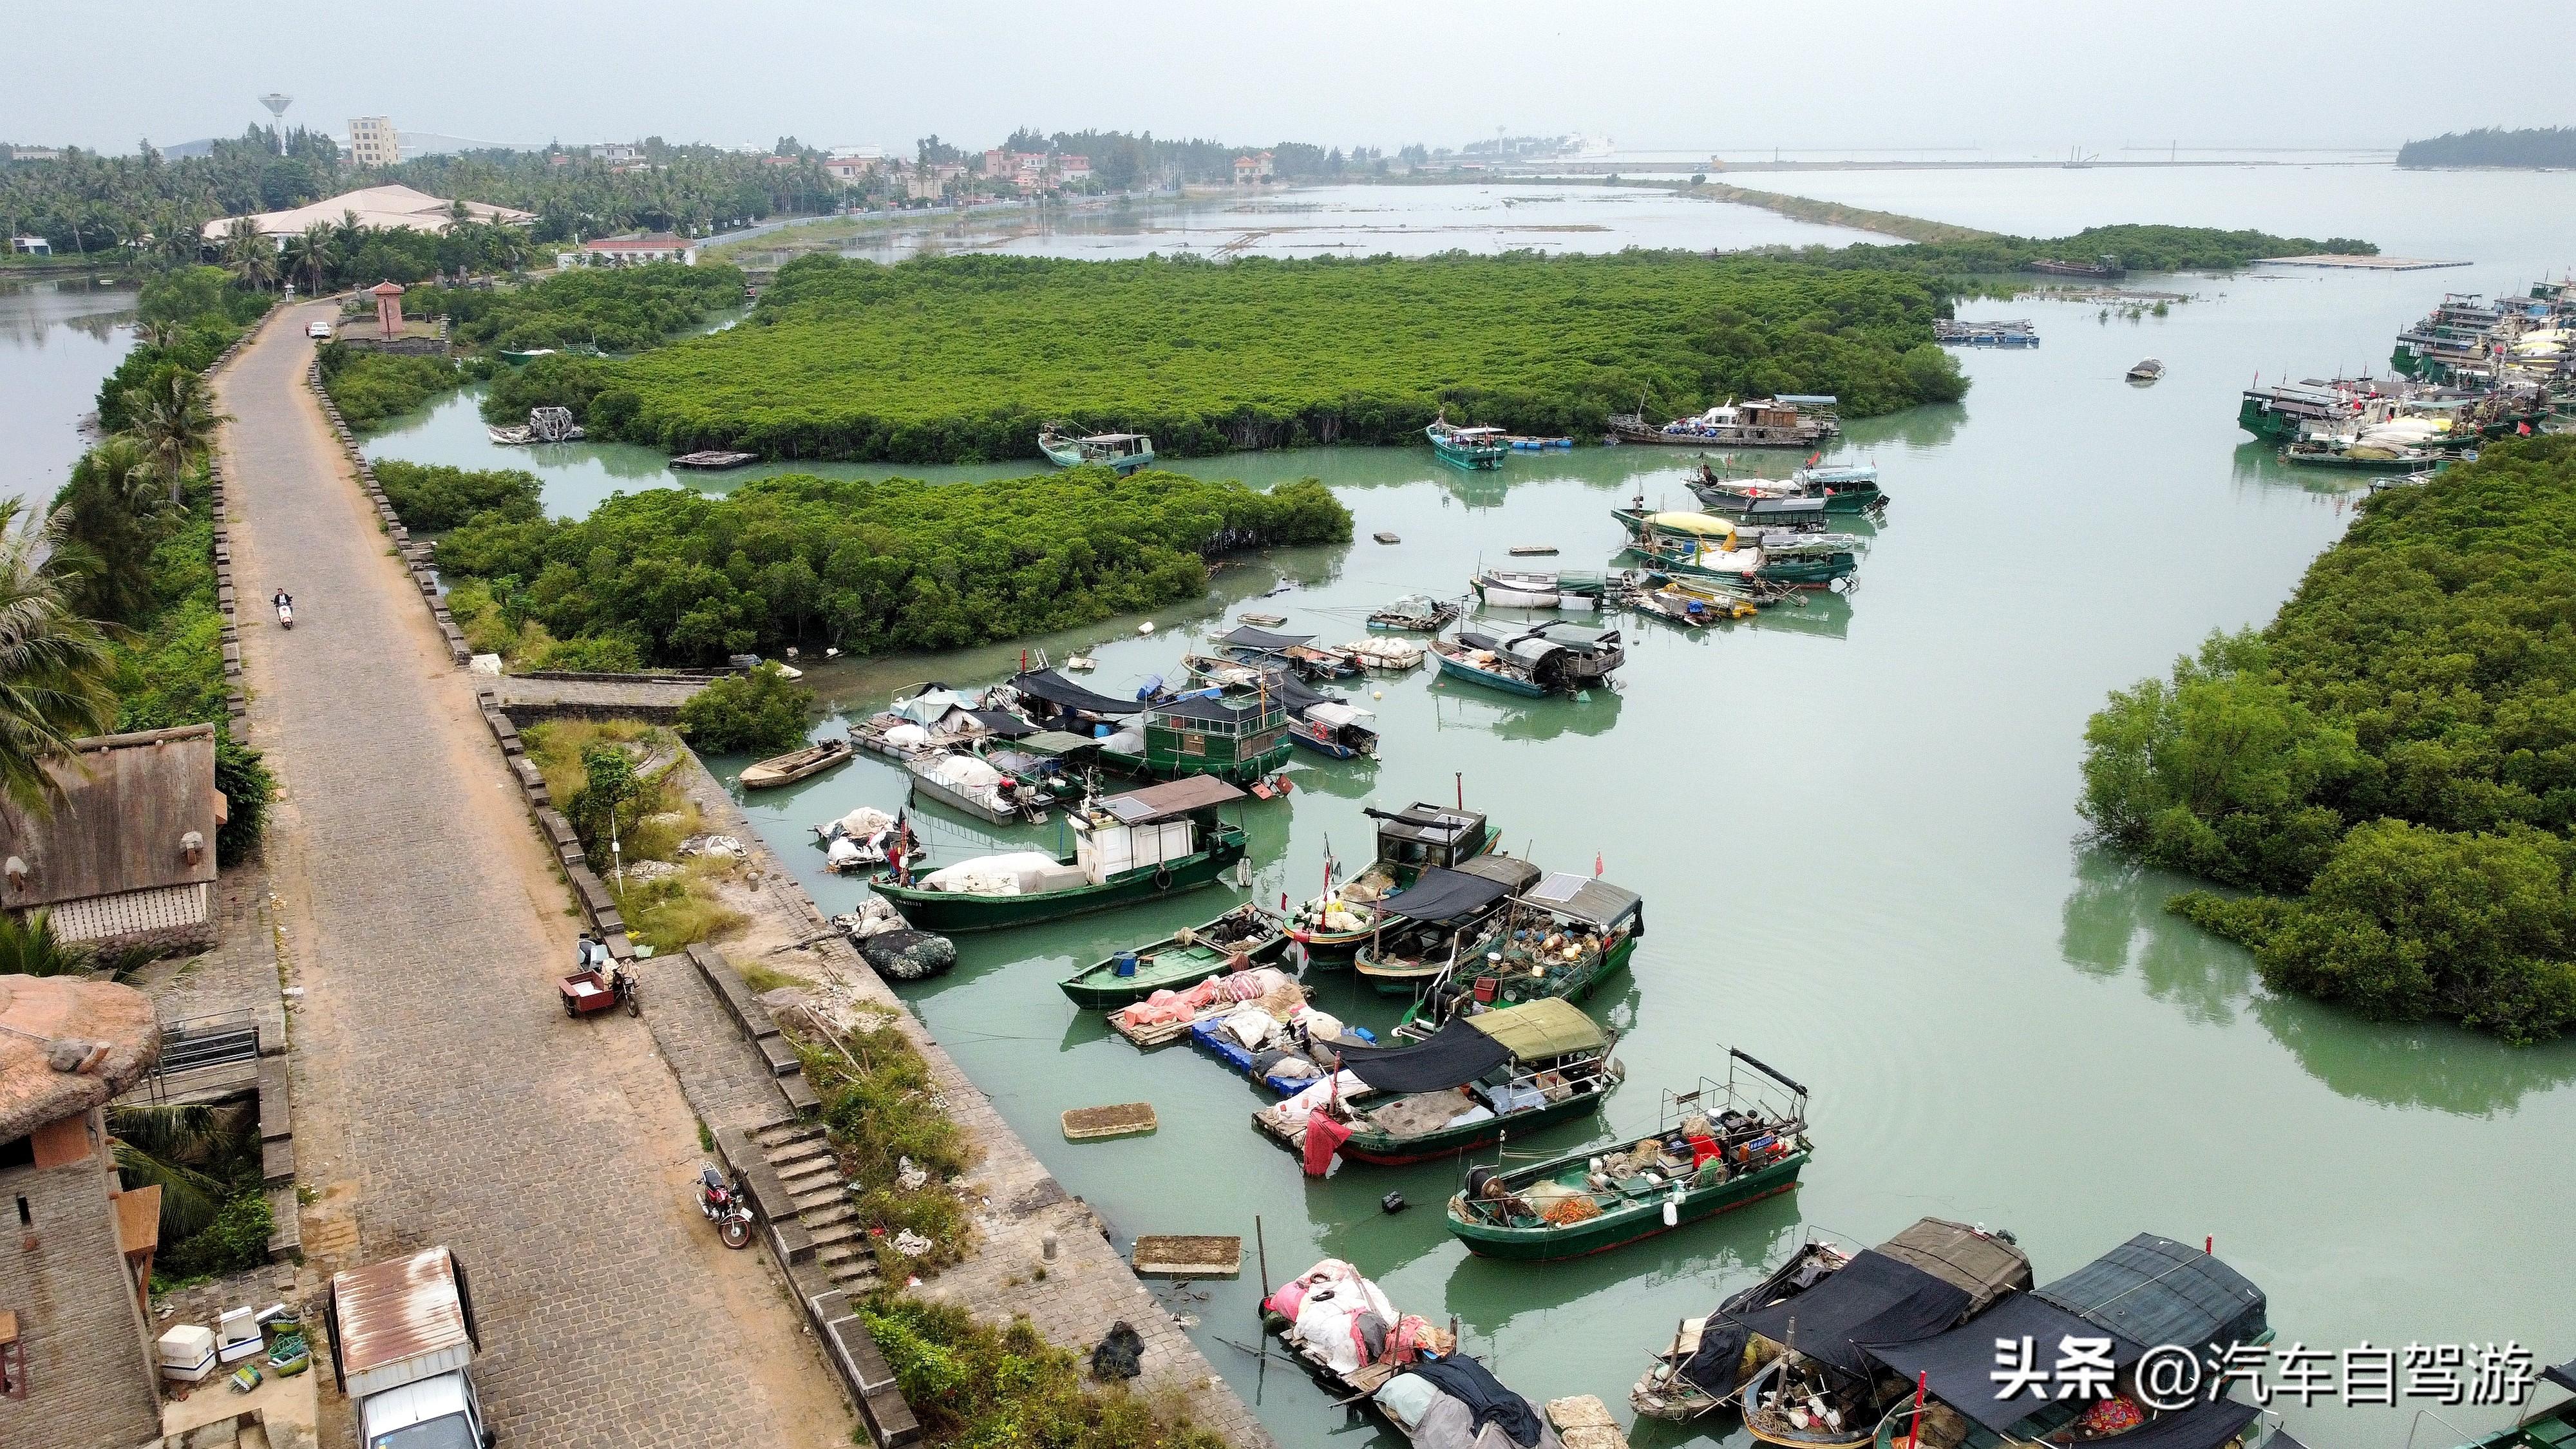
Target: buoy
<point>1377,694</point>
<point>1145,628</point>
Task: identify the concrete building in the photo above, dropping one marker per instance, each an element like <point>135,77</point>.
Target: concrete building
<point>373,142</point>
<point>126,856</point>
<point>76,1360</point>
<point>34,246</point>
<point>1252,170</point>
<point>851,170</point>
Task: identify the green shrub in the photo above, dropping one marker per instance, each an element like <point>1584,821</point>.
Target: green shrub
<point>370,387</point>
<point>617,309</point>
<point>237,1241</point>
<point>432,498</point>
<point>599,654</point>
<point>960,358</point>
<point>759,712</point>
<point>972,1384</point>
<point>248,787</point>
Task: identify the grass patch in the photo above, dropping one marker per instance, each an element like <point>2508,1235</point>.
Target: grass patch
<point>763,979</point>
<point>973,1384</point>
<point>883,1109</point>
<point>666,910</point>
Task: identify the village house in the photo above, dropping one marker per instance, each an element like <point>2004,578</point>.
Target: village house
<point>76,1354</point>
<point>125,859</point>
<point>631,251</point>
<point>1252,170</point>
<point>851,170</point>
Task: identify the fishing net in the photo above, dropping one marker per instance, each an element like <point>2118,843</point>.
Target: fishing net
<point>1566,1212</point>
<point>908,955</point>
<point>1121,1355</point>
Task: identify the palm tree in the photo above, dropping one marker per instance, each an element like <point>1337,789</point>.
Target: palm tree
<point>173,418</point>
<point>249,255</point>
<point>311,254</point>
<point>54,664</point>
<point>32,949</point>
<point>169,1147</point>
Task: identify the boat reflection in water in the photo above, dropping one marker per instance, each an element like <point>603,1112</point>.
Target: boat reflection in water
<point>1510,717</point>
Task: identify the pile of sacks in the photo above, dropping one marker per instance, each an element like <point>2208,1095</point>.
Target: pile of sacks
<point>1261,984</point>
<point>1442,1399</point>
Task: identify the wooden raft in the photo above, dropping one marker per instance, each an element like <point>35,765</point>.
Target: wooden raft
<point>1171,1256</point>
<point>1121,1119</point>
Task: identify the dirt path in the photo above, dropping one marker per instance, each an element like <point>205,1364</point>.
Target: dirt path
<point>441,1095</point>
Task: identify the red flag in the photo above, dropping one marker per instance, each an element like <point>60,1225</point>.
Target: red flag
<point>1596,863</point>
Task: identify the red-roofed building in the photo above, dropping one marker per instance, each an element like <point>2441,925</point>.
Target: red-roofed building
<point>1252,170</point>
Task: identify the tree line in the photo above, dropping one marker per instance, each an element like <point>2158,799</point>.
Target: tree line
<point>2391,764</point>
<point>2538,146</point>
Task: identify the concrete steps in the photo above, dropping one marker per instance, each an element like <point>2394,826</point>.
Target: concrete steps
<point>801,1154</point>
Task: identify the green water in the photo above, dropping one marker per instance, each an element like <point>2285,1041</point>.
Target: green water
<point>1853,827</point>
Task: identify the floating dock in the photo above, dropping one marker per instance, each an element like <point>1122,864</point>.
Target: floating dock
<point>2363,264</point>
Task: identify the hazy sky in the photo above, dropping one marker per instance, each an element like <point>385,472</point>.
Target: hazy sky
<point>1652,74</point>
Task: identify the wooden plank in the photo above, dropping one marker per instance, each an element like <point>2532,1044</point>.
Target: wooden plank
<point>1120,1119</point>
<point>1179,1256</point>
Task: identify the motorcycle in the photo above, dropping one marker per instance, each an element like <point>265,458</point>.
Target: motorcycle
<point>285,614</point>
<point>725,1206</point>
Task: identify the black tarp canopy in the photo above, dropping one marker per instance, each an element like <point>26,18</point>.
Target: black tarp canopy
<point>1874,1299</point>
<point>2155,1290</point>
<point>1003,723</point>
<point>1057,690</point>
<point>1262,640</point>
<point>1959,1366</point>
<point>1455,1055</point>
<point>1443,895</point>
<point>1212,709</point>
<point>2564,1375</point>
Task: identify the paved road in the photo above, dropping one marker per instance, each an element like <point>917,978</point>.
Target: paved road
<point>441,1096</point>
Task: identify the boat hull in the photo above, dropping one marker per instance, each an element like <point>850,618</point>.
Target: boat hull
<point>1381,1150</point>
<point>769,775</point>
<point>1176,968</point>
<point>950,913</point>
<point>1632,1222</point>
<point>1460,669</point>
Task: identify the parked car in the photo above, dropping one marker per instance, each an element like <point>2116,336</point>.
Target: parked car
<point>319,329</point>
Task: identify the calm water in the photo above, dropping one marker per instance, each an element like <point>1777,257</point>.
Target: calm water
<point>1853,826</point>
<point>58,340</point>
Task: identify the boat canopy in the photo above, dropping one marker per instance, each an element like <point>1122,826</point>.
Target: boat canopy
<point>932,705</point>
<point>1003,723</point>
<point>1539,1030</point>
<point>2564,1375</point>
<point>1699,523</point>
<point>1057,690</point>
<point>1443,895</point>
<point>1262,640</point>
<point>1057,743</point>
<point>965,773</point>
<point>1807,399</point>
<point>1591,900</point>
<point>1985,1266</point>
<point>1211,706</point>
<point>1959,1365</point>
<point>1170,800</point>
<point>1872,1299</point>
<point>1453,1056</point>
<point>2155,1290</point>
<point>1334,713</point>
<point>1515,874</point>
<point>1426,827</point>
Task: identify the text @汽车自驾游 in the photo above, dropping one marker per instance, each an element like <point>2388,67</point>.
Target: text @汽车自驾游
<point>2175,1376</point>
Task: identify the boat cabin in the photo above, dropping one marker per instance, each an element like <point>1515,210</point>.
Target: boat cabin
<point>1156,827</point>
<point>1116,448</point>
<point>1421,837</point>
<point>1239,734</point>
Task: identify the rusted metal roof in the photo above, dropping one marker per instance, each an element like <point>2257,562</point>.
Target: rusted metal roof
<point>1173,797</point>
<point>399,1309</point>
<point>67,1045</point>
<point>120,822</point>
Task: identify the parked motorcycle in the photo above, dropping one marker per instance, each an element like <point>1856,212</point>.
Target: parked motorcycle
<point>725,1206</point>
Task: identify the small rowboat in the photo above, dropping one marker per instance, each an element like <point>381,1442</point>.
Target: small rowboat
<point>1178,961</point>
<point>795,765</point>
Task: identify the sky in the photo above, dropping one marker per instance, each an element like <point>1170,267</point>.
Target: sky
<point>2018,78</point>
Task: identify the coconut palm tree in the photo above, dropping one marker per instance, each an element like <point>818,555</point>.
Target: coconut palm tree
<point>173,418</point>
<point>169,1147</point>
<point>54,664</point>
<point>311,254</point>
<point>249,255</point>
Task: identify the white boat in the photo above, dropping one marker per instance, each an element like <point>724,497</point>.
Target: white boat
<point>968,783</point>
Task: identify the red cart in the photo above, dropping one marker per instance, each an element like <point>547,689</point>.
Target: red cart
<point>585,992</point>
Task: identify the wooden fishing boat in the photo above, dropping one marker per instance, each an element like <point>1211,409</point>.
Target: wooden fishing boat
<point>1559,936</point>
<point>1698,1372</point>
<point>1315,1314</point>
<point>2336,453</point>
<point>2147,371</point>
<point>1438,1097</point>
<point>1294,651</point>
<point>1335,729</point>
<point>1125,452</point>
<point>1233,732</point>
<point>1759,423</point>
<point>1244,936</point>
<point>1693,606</point>
<point>1709,547</point>
<point>1719,1146</point>
<point>1425,930</point>
<point>1394,656</point>
<point>1467,447</point>
<point>972,785</point>
<point>1805,496</point>
<point>1545,659</point>
<point>1812,1384</point>
<point>1127,848</point>
<point>1538,589</point>
<point>796,765</point>
<point>1417,838</point>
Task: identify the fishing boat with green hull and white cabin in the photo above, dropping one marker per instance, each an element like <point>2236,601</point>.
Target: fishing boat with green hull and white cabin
<point>1560,937</point>
<point>1244,937</point>
<point>1476,448</point>
<point>1139,846</point>
<point>1237,733</point>
<point>1719,1146</point>
<point>1538,660</point>
<point>1420,837</point>
<point>1458,1089</point>
<point>1706,546</point>
<point>1125,452</point>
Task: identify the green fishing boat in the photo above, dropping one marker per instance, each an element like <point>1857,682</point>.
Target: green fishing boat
<point>1134,847</point>
<point>2335,453</point>
<point>1329,928</point>
<point>1461,1087</point>
<point>1443,918</point>
<point>1711,547</point>
<point>1233,732</point>
<point>1720,1146</point>
<point>1125,452</point>
<point>1467,447</point>
<point>1560,937</point>
<point>1244,936</point>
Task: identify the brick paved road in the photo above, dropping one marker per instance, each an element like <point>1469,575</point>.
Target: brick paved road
<point>442,1096</point>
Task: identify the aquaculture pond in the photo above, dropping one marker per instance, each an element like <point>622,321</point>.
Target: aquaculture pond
<point>1853,826</point>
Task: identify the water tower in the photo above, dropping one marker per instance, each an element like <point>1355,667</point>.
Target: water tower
<point>277,102</point>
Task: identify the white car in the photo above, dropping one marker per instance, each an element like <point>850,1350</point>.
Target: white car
<point>319,329</point>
